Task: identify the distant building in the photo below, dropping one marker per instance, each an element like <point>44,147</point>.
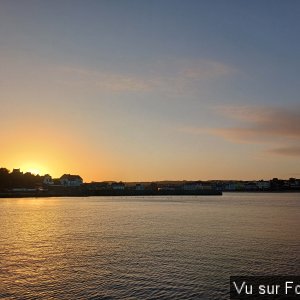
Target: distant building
<point>192,186</point>
<point>167,188</point>
<point>207,186</point>
<point>240,186</point>
<point>230,186</point>
<point>139,187</point>
<point>118,186</point>
<point>251,186</point>
<point>263,185</point>
<point>70,180</point>
<point>48,180</point>
<point>294,183</point>
<point>153,187</point>
<point>97,186</point>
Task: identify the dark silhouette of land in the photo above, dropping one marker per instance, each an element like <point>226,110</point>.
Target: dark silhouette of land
<point>19,184</point>
<point>17,179</point>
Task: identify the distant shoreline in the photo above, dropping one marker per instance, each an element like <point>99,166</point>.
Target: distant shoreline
<point>70,193</point>
<point>133,193</point>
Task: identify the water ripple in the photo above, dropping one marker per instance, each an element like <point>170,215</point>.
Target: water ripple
<point>133,248</point>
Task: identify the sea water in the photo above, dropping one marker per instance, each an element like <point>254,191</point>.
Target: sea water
<point>176,247</point>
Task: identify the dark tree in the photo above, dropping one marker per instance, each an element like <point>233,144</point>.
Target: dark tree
<point>4,178</point>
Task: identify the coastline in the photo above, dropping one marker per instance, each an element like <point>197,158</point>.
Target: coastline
<point>70,193</point>
<point>83,193</point>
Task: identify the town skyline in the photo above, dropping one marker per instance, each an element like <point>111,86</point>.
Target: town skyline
<point>4,170</point>
<point>151,90</point>
<point>19,184</point>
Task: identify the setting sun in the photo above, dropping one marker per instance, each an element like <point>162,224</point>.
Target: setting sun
<point>33,169</point>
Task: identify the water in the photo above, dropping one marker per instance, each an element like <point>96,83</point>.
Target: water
<point>144,248</point>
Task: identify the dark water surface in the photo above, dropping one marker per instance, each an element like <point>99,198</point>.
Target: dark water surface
<point>181,247</point>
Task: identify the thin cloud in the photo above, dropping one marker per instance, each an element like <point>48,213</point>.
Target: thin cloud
<point>192,130</point>
<point>172,77</point>
<point>244,113</point>
<point>106,81</point>
<point>207,69</point>
<point>239,135</point>
<point>260,124</point>
<point>286,151</point>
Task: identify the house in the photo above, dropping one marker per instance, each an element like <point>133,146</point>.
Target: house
<point>192,186</point>
<point>251,186</point>
<point>96,186</point>
<point>48,180</point>
<point>139,187</point>
<point>240,186</point>
<point>118,186</point>
<point>263,185</point>
<point>167,188</point>
<point>230,186</point>
<point>294,183</point>
<point>206,186</point>
<point>70,180</point>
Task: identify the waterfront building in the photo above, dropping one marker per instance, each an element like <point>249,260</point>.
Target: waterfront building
<point>192,186</point>
<point>69,180</point>
<point>118,186</point>
<point>48,180</point>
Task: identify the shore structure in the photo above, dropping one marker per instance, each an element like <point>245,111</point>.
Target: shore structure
<point>106,189</point>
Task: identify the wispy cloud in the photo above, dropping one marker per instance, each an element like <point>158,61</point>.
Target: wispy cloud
<point>106,81</point>
<point>192,130</point>
<point>263,125</point>
<point>172,76</point>
<point>206,69</point>
<point>256,124</point>
<point>286,151</point>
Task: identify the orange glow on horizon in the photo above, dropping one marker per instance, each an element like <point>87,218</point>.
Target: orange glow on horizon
<point>33,168</point>
<point>54,149</point>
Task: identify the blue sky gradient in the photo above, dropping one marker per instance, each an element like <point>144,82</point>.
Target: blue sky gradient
<point>151,90</point>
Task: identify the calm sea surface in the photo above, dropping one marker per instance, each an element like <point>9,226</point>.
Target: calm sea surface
<point>177,247</point>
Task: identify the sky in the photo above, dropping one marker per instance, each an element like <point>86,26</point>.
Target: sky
<point>138,90</point>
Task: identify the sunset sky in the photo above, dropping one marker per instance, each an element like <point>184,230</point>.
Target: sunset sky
<point>138,90</point>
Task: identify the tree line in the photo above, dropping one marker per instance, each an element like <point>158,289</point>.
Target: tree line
<point>18,179</point>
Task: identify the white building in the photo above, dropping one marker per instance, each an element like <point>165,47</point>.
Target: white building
<point>118,186</point>
<point>71,180</point>
<point>47,180</point>
<point>263,185</point>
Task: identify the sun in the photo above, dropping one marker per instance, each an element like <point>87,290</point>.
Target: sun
<point>34,171</point>
<point>33,168</point>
